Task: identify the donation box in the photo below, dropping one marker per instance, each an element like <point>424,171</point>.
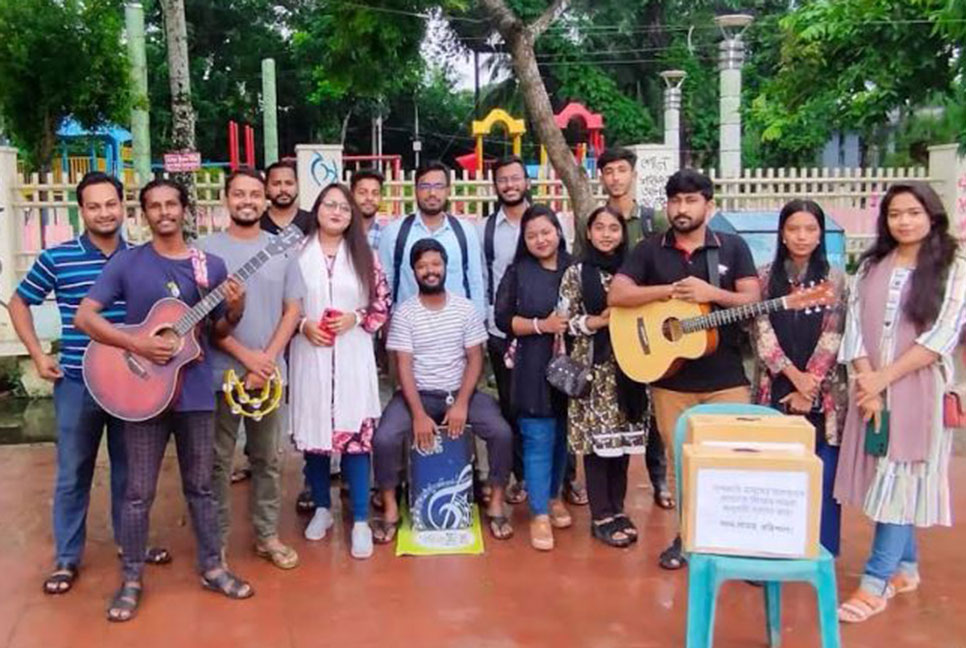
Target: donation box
<point>441,483</point>
<point>715,429</point>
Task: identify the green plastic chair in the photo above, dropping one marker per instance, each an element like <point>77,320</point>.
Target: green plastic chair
<point>708,571</point>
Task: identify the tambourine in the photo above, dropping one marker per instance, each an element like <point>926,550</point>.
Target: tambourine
<point>253,407</point>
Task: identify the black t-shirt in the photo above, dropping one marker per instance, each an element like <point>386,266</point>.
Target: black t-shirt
<point>657,261</point>
<point>302,219</point>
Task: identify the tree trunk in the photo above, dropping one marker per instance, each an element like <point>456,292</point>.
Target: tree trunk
<point>182,112</point>
<point>520,39</point>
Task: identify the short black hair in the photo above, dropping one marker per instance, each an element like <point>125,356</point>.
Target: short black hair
<point>510,160</point>
<point>689,181</point>
<point>367,173</point>
<point>423,246</point>
<point>157,183</point>
<point>616,154</point>
<point>431,165</point>
<point>95,178</point>
<point>281,164</point>
<point>243,172</point>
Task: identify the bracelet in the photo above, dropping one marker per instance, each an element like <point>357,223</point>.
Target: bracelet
<point>536,326</point>
<point>302,325</point>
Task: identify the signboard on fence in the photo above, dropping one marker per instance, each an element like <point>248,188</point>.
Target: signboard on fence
<point>182,161</point>
<point>655,163</point>
<point>318,166</point>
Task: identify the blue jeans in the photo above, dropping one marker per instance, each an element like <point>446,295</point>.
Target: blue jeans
<point>80,423</point>
<point>544,459</point>
<point>893,550</point>
<point>355,470</point>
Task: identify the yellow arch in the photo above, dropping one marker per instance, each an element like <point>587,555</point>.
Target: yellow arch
<point>514,127</point>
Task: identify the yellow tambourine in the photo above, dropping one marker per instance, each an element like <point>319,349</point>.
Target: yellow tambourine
<point>253,407</point>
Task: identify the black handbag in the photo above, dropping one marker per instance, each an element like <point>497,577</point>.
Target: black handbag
<point>569,376</point>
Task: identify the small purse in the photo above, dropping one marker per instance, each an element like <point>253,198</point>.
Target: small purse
<point>569,376</point>
<point>954,415</point>
<point>877,440</point>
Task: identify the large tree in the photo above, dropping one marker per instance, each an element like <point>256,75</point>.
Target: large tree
<point>60,59</point>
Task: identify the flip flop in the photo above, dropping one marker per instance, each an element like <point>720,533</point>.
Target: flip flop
<point>281,556</point>
<point>384,531</point>
<point>499,526</point>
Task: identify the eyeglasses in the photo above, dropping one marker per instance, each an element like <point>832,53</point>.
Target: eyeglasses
<point>431,186</point>
<point>514,179</point>
<point>342,207</point>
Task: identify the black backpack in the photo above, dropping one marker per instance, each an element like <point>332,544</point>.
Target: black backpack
<point>405,228</point>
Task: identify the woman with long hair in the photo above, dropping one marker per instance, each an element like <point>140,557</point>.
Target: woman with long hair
<point>797,369</point>
<point>334,383</point>
<point>611,422</point>
<point>905,315</point>
<point>526,309</point>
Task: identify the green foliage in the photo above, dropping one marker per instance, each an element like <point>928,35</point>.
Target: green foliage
<point>59,59</point>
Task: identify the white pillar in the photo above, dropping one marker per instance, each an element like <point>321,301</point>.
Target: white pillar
<point>672,111</point>
<point>9,238</point>
<point>318,165</point>
<point>731,56</point>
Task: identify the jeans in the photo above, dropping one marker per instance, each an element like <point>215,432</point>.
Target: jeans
<point>80,423</point>
<point>355,470</point>
<point>544,459</point>
<point>893,550</point>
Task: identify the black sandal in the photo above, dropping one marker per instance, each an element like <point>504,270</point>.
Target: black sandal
<point>304,504</point>
<point>627,526</point>
<point>384,531</point>
<point>664,499</point>
<point>126,599</point>
<point>672,558</point>
<point>606,532</point>
<point>224,582</point>
<point>500,527</point>
<point>61,580</point>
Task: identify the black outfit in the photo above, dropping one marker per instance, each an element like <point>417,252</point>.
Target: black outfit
<point>606,484</point>
<point>658,261</point>
<point>302,219</point>
<point>496,350</point>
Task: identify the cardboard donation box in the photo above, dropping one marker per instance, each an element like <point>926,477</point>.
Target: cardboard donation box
<point>745,501</point>
<point>717,429</point>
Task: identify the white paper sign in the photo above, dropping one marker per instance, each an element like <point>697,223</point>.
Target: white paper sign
<point>759,511</point>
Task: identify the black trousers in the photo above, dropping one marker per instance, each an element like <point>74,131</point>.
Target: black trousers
<point>606,484</point>
<point>655,458</point>
<point>495,349</point>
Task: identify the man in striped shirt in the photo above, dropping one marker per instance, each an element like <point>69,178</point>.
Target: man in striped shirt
<point>69,270</point>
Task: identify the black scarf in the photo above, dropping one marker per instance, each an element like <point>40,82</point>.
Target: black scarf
<point>631,395</point>
<point>797,332</point>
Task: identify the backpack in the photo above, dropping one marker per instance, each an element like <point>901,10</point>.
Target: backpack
<point>397,257</point>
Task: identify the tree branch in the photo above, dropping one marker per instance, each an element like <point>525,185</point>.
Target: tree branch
<point>504,20</point>
<point>538,26</point>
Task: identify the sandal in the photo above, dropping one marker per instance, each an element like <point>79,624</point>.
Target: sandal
<point>541,533</point>
<point>608,531</point>
<point>516,493</point>
<point>860,606</point>
<point>224,582</point>
<point>384,531</point>
<point>901,584</point>
<point>61,579</point>
<point>575,494</point>
<point>664,499</point>
<point>500,527</point>
<point>280,555</point>
<point>559,515</point>
<point>626,525</point>
<point>240,474</point>
<point>304,504</point>
<point>124,605</point>
<point>672,558</point>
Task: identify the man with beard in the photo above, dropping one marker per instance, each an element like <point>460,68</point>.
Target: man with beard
<point>140,277</point>
<point>282,190</point>
<point>464,275</point>
<point>366,187</point>
<point>253,350</point>
<point>69,270</point>
<point>438,338</point>
<point>693,263</point>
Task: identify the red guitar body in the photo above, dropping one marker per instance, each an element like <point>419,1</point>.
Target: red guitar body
<point>133,388</point>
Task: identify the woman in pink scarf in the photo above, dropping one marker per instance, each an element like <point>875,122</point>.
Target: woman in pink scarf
<point>905,314</point>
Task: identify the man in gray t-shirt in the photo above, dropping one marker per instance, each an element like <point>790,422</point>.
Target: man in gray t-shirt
<point>254,351</point>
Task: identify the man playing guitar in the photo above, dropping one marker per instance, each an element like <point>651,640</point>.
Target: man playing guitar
<point>141,276</point>
<point>683,264</point>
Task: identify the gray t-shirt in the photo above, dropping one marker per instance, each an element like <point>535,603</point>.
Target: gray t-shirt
<point>277,281</point>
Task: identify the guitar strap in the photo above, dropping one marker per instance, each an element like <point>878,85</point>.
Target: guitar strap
<point>199,264</point>
<point>714,277</point>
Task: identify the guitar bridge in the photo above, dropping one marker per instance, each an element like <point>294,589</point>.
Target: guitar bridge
<point>136,367</point>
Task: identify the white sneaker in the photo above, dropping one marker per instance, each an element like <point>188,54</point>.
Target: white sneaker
<point>320,523</point>
<point>361,540</point>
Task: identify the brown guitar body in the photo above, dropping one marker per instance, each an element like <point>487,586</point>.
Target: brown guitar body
<point>133,388</point>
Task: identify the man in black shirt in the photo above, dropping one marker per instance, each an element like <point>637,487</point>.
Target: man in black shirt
<point>676,265</point>
<point>282,191</point>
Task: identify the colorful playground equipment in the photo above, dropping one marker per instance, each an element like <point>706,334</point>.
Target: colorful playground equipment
<point>515,128</point>
<point>108,152</point>
<point>593,122</point>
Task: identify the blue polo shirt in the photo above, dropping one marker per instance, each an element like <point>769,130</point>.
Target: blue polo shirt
<point>69,270</point>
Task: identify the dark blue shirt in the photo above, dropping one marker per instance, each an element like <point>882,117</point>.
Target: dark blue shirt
<point>69,270</point>
<point>142,277</point>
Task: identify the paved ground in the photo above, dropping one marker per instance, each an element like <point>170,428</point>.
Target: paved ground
<point>582,594</point>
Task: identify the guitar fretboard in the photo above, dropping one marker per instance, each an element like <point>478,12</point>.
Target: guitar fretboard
<point>715,319</point>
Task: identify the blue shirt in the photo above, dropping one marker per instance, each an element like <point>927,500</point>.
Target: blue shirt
<point>69,270</point>
<point>454,268</point>
<point>142,277</point>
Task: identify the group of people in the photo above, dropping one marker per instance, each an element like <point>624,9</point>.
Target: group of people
<point>441,296</point>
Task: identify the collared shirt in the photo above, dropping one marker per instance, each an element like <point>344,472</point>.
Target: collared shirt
<point>69,270</point>
<point>659,260</point>
<point>374,235</point>
<point>506,233</point>
<point>454,268</point>
<point>302,219</point>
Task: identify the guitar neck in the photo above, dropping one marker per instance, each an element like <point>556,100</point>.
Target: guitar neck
<point>210,301</point>
<point>715,319</point>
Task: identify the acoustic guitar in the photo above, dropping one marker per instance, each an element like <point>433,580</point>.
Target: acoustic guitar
<point>133,388</point>
<point>652,341</point>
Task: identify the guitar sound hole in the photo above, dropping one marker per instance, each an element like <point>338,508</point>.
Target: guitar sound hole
<point>672,330</point>
<point>168,334</point>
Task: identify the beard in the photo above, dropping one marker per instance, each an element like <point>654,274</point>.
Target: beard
<point>282,200</point>
<point>430,289</point>
<point>517,201</point>
<point>244,222</point>
<point>431,211</point>
<point>686,228</point>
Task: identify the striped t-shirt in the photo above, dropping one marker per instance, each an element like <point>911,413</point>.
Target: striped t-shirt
<point>69,270</point>
<point>437,339</point>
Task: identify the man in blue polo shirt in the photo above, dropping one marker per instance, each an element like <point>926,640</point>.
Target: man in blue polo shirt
<point>69,270</point>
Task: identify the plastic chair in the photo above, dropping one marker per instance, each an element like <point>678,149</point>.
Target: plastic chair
<point>708,571</point>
